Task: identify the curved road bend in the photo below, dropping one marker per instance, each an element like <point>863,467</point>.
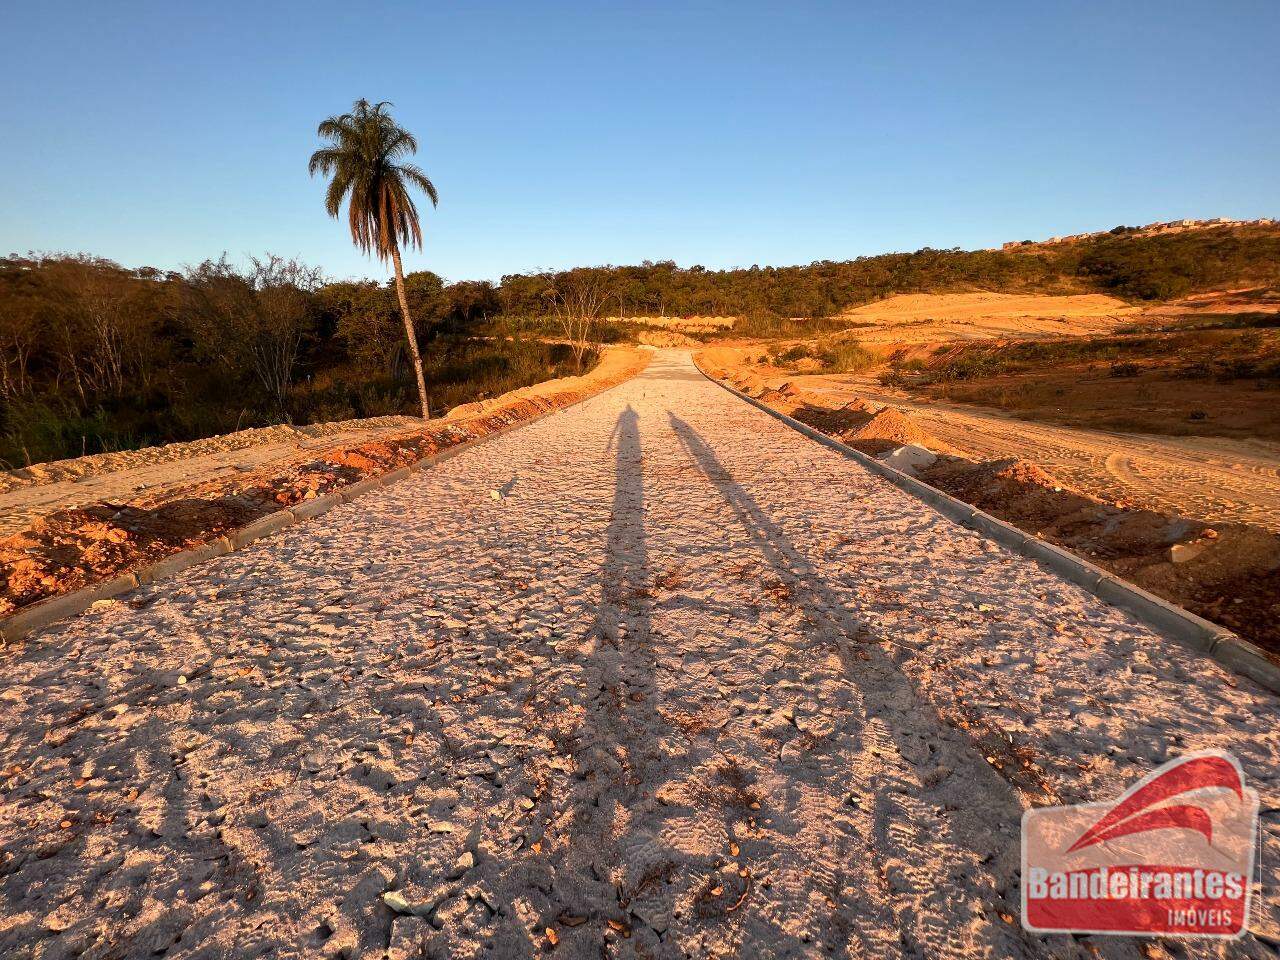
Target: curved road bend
<point>693,685</point>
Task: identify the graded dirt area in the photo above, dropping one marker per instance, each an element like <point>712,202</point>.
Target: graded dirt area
<point>1211,478</point>
<point>1208,477</point>
<point>927,317</point>
<point>694,686</point>
<point>1244,300</point>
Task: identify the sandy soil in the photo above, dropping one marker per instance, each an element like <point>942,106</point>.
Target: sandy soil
<point>1245,300</point>
<point>97,464</point>
<point>928,317</point>
<point>1207,477</point>
<point>157,472</point>
<point>690,685</point>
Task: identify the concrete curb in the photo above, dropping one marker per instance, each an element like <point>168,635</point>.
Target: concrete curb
<point>67,605</point>
<point>262,527</point>
<point>1181,625</point>
<point>177,562</point>
<point>49,612</point>
<point>313,508</point>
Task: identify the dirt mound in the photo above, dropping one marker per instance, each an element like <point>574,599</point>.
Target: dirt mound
<point>774,398</point>
<point>858,405</point>
<point>1024,472</point>
<point>666,338</point>
<point>752,386</point>
<point>888,429</point>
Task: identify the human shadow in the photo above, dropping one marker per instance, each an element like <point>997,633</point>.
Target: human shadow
<point>617,748</point>
<point>898,722</point>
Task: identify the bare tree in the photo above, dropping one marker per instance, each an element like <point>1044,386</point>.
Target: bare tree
<point>19,335</point>
<point>577,297</point>
<point>285,290</point>
<point>253,320</point>
<point>99,291</point>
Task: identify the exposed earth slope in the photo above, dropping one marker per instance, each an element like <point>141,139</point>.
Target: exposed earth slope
<point>926,317</point>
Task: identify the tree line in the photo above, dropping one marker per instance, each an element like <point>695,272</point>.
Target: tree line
<point>94,355</point>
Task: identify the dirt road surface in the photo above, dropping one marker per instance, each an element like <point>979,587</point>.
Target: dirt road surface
<point>1211,478</point>
<point>655,676</point>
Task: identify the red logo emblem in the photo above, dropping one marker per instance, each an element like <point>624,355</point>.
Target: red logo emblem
<point>1173,855</point>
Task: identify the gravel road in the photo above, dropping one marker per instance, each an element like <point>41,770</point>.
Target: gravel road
<point>655,676</point>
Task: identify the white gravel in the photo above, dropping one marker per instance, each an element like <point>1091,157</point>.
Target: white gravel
<point>693,686</point>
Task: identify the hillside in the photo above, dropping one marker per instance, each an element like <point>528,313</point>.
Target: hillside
<point>928,317</point>
<point>1133,267</point>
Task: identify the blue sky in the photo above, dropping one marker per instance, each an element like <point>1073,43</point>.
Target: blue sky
<point>724,134</point>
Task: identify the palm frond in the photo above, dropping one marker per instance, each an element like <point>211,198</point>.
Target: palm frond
<point>337,128</point>
<point>399,143</point>
<point>338,188</point>
<point>324,161</point>
<point>419,179</point>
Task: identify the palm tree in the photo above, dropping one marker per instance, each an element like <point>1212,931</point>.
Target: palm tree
<point>364,147</point>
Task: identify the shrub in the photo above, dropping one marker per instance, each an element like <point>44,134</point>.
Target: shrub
<point>798,352</point>
<point>1237,368</point>
<point>971,367</point>
<point>846,356</point>
<point>1197,370</point>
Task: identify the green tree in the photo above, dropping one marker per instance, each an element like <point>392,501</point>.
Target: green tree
<point>365,147</point>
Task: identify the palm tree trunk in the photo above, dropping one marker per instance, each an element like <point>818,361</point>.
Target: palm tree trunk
<point>408,332</point>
